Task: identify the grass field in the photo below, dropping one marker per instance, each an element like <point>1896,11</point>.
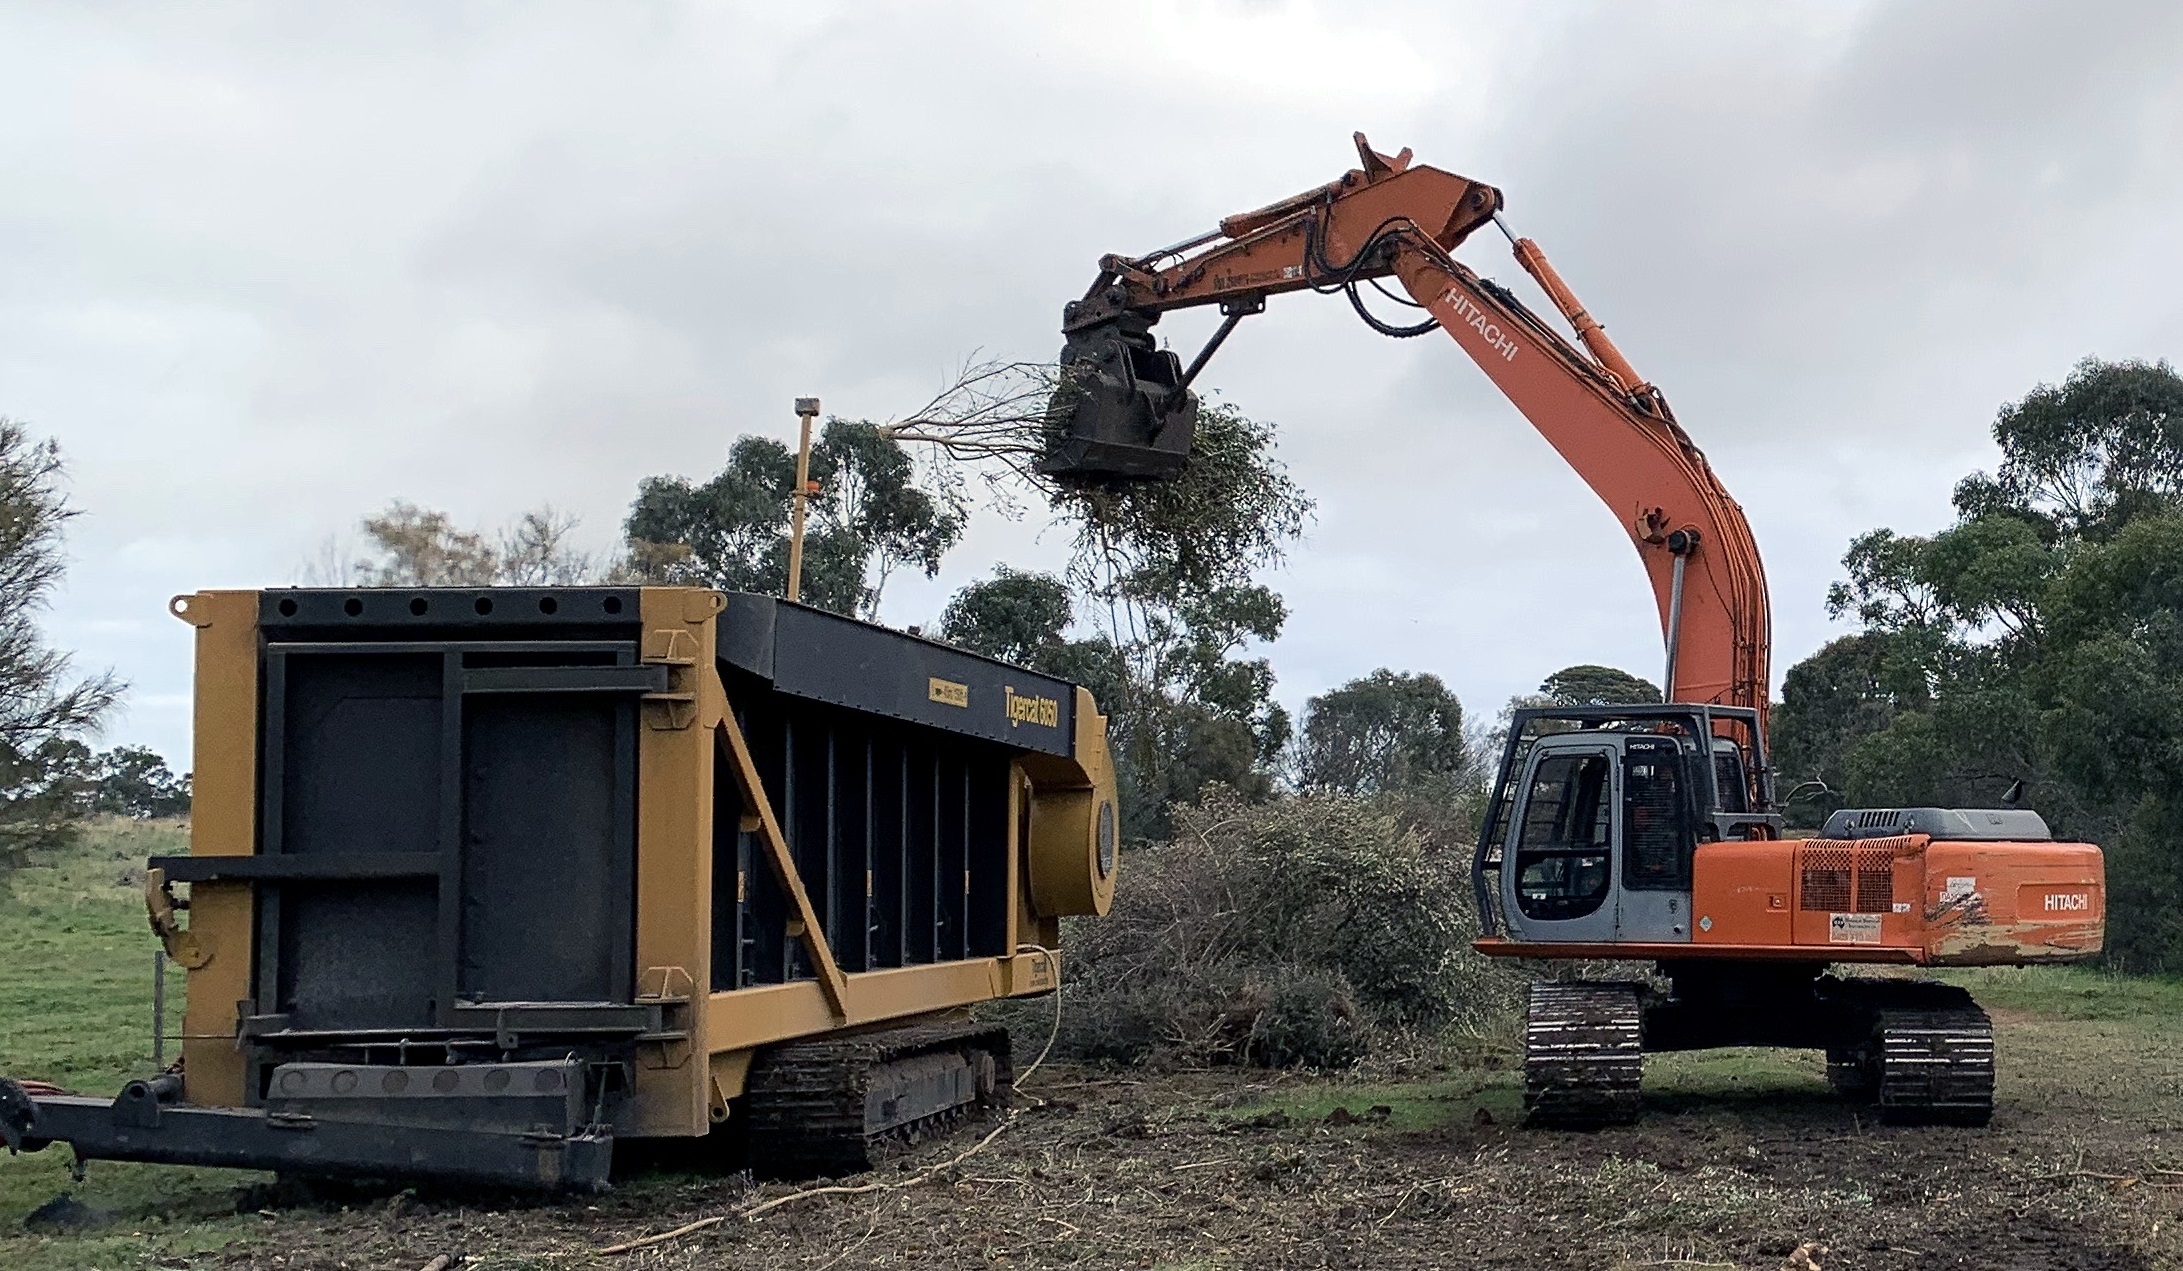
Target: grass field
<point>76,1010</point>
<point>1742,1155</point>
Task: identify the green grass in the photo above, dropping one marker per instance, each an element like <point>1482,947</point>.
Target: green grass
<point>75,1009</point>
<point>1443,1099</point>
<point>2073,992</point>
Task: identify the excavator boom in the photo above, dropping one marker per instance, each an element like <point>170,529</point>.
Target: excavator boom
<point>1626,831</point>
<point>1126,412</point>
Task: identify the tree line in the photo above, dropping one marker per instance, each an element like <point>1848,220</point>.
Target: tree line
<point>2038,639</point>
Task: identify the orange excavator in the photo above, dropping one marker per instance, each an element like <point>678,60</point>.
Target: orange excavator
<point>1640,833</point>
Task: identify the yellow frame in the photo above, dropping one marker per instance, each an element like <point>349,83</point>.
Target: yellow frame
<point>1052,837</point>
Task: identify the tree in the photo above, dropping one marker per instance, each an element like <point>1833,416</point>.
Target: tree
<point>419,547</point>
<point>134,781</point>
<point>2082,459</point>
<point>539,550</point>
<point>422,547</point>
<point>44,706</point>
<point>1164,576</point>
<point>1589,685</point>
<point>1168,571</point>
<point>1850,690</point>
<point>868,518</point>
<point>1382,733</point>
<point>1016,616</point>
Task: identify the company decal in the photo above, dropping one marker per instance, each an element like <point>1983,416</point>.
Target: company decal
<point>1257,278</point>
<point>1958,888</point>
<point>947,692</point>
<point>1475,318</point>
<point>1026,709</point>
<point>1853,928</point>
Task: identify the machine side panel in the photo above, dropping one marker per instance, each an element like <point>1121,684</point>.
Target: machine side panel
<point>547,863</point>
<point>351,762</point>
<point>223,822</point>
<point>1992,904</point>
<point>675,747</point>
<point>823,657</point>
<point>1740,892</point>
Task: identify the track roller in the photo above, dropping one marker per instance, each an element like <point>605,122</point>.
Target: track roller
<point>834,1107</point>
<point>1583,1055</point>
<point>1928,1057</point>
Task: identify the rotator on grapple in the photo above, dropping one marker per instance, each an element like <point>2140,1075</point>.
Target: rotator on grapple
<point>1638,833</point>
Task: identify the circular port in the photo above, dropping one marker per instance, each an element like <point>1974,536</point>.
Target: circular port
<point>548,1080</point>
<point>287,608</point>
<point>496,1080</point>
<point>445,1080</point>
<point>292,1082</point>
<point>613,604</point>
<point>418,604</point>
<point>353,606</point>
<point>395,1082</point>
<point>484,605</point>
<point>547,604</point>
<point>344,1082</point>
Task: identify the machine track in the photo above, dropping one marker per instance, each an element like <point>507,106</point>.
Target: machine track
<point>1928,1057</point>
<point>835,1106</point>
<point>1583,1055</point>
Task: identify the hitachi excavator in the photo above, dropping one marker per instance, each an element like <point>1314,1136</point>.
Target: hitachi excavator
<point>1642,833</point>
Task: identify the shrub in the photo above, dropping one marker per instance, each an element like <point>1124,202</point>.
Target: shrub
<point>1291,932</point>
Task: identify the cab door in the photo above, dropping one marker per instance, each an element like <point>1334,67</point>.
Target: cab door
<point>1657,840</point>
<point>1558,883</point>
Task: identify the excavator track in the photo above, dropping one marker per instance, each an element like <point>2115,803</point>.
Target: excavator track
<point>1929,1054</point>
<point>837,1106</point>
<point>1583,1055</point>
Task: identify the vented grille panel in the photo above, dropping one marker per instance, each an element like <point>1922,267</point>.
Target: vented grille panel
<point>1875,882</point>
<point>1826,880</point>
<point>1848,879</point>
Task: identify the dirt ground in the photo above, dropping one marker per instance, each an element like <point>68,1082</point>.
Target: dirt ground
<point>1741,1160</point>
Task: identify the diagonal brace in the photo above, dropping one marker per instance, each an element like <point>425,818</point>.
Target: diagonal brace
<point>784,865</point>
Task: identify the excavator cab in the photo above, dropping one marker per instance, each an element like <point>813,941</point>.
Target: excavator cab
<point>1598,813</point>
<point>1122,410</point>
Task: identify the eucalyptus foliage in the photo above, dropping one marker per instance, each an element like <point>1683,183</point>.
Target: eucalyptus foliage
<point>869,516</point>
<point>2037,639</point>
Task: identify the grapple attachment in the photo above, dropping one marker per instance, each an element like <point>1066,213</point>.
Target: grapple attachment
<point>1121,412</point>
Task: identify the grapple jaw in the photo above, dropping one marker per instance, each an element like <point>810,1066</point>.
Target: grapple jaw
<point>1120,412</point>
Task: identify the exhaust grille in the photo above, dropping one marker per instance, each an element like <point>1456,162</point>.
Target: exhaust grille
<point>1847,880</point>
<point>1826,880</point>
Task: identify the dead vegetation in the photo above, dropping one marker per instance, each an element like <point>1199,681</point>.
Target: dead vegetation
<point>1304,932</point>
<point>1741,1162</point>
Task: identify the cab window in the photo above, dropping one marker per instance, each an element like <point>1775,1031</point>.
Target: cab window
<point>1656,837</point>
<point>1728,777</point>
<point>1565,847</point>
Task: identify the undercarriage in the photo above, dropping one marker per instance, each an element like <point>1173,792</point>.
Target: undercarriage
<point>1922,1053</point>
<point>836,1106</point>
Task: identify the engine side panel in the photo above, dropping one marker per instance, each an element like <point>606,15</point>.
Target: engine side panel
<point>1740,892</point>
<point>2002,904</point>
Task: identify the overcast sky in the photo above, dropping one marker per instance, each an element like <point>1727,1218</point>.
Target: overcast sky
<point>264,268</point>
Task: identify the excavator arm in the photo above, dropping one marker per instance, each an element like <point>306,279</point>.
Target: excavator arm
<point>1125,411</point>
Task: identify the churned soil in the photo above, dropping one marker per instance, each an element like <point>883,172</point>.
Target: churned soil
<point>1743,1159</point>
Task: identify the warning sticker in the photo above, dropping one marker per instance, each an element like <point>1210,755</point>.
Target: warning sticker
<point>1958,888</point>
<point>1853,928</point>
